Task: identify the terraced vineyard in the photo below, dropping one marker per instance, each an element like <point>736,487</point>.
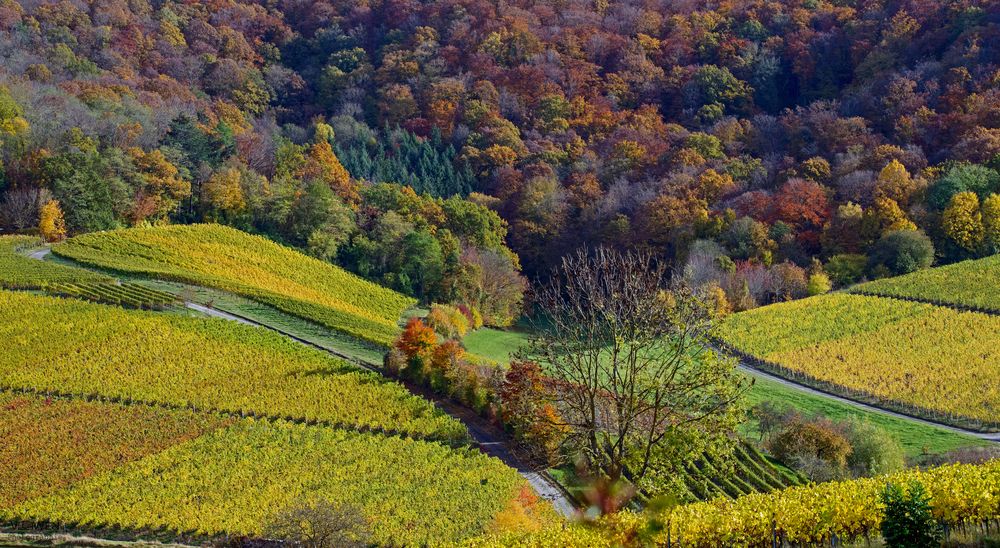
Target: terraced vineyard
<point>18,271</point>
<point>78,348</point>
<point>919,358</point>
<point>971,284</point>
<point>143,468</point>
<point>252,266</point>
<point>752,472</point>
<point>128,295</point>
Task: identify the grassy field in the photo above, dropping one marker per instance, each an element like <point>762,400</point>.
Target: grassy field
<point>974,284</point>
<point>495,344</point>
<point>251,266</point>
<point>918,358</point>
<point>917,439</point>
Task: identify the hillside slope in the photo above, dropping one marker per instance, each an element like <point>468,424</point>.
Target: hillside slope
<point>922,359</point>
<point>252,266</point>
<point>973,284</point>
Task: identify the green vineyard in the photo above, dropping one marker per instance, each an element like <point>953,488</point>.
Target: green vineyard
<point>74,347</point>
<point>751,472</point>
<point>972,285</point>
<point>128,295</point>
<point>18,271</point>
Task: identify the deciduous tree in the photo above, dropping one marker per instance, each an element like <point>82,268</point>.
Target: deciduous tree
<point>51,224</point>
<point>633,360</point>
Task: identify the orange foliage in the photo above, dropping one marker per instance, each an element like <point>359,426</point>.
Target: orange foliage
<point>417,340</point>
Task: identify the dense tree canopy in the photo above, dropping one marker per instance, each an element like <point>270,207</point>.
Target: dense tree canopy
<point>785,130</point>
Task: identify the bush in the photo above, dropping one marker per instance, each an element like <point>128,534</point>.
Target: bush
<point>816,447</point>
<point>819,283</point>
<point>902,252</point>
<point>846,269</point>
<point>789,282</point>
<point>908,521</point>
<point>874,450</point>
<point>448,321</point>
<point>394,362</point>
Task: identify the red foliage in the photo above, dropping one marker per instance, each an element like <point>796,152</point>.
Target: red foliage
<point>801,203</point>
<point>417,340</point>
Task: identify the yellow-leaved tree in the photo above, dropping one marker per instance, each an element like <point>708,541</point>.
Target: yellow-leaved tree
<point>51,224</point>
<point>991,223</point>
<point>886,216</point>
<point>895,183</point>
<point>223,191</point>
<point>963,222</point>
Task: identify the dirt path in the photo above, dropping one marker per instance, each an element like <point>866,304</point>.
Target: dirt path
<point>67,539</point>
<point>218,313</point>
<point>40,254</point>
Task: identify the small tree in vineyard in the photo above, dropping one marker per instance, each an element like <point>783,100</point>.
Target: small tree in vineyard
<point>636,376</point>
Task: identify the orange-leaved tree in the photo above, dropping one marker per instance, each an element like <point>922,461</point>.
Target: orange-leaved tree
<point>527,410</point>
<point>417,344</point>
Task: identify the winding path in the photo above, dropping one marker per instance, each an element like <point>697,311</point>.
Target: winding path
<point>40,254</point>
<point>751,370</point>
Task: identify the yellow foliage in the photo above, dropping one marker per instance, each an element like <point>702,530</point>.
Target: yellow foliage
<point>224,192</point>
<point>525,513</point>
<point>322,164</point>
<point>717,301</point>
<point>161,183</point>
<point>448,321</point>
<point>963,222</point>
<point>51,223</point>
<point>894,182</point>
<point>172,34</point>
<point>991,222</point>
<point>889,216</point>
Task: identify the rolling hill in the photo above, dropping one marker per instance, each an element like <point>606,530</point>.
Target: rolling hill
<point>252,266</point>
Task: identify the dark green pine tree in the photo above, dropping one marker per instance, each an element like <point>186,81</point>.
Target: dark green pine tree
<point>399,156</point>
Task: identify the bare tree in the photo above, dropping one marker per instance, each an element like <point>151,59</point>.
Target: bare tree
<point>635,374</point>
<point>19,207</point>
<point>320,524</point>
